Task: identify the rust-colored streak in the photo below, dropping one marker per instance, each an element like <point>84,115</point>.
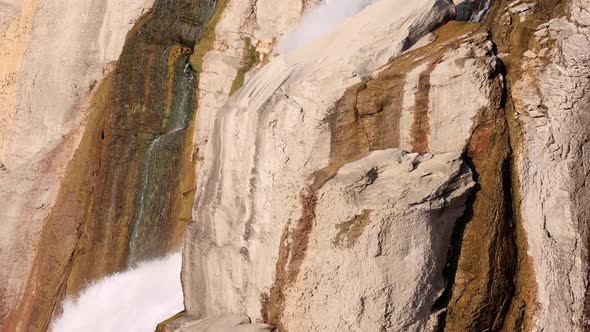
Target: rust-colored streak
<point>88,232</point>
<point>350,231</point>
<point>293,248</point>
<point>421,125</point>
<point>365,119</point>
<point>61,232</point>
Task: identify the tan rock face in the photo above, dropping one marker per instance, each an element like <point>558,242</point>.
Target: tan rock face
<point>337,220</point>
<point>48,67</point>
<point>545,48</point>
<point>406,175</point>
<point>221,323</point>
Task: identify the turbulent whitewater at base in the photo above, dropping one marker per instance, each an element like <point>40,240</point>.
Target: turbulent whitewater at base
<point>132,301</point>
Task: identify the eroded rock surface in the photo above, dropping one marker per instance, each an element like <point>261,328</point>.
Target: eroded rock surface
<point>545,46</point>
<point>297,165</point>
<point>48,68</point>
<point>411,174</point>
<point>221,323</point>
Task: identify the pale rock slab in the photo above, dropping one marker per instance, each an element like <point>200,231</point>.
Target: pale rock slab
<point>452,116</point>
<point>243,25</point>
<point>266,143</point>
<point>383,229</point>
<point>221,323</point>
<point>552,104</point>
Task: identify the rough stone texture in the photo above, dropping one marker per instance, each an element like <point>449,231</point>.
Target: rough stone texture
<point>242,35</point>
<point>306,169</point>
<point>420,197</point>
<point>473,10</point>
<point>97,175</point>
<point>545,47</point>
<point>385,177</point>
<point>221,323</point>
<point>47,68</point>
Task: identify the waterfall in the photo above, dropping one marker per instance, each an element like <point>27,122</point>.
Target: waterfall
<point>481,14</point>
<point>320,20</point>
<point>157,174</point>
<point>132,301</point>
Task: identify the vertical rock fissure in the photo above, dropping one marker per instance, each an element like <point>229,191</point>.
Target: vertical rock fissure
<point>482,256</point>
<point>421,124</point>
<point>512,35</point>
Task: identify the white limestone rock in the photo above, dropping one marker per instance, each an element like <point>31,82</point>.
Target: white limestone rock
<point>266,144</point>
<point>375,257</point>
<point>221,323</point>
<point>237,30</point>
<point>552,103</point>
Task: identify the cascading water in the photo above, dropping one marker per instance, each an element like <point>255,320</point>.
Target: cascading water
<point>150,292</point>
<point>132,301</point>
<point>474,10</point>
<point>481,14</point>
<point>158,169</point>
<point>320,20</point>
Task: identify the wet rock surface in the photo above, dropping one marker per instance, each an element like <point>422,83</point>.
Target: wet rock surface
<point>416,174</point>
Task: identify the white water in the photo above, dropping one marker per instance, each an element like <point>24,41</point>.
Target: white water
<point>139,229</point>
<point>320,20</point>
<point>480,16</point>
<point>132,301</point>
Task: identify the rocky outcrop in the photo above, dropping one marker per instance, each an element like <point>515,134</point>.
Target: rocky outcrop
<point>307,168</point>
<point>49,67</point>
<point>221,323</point>
<point>416,174</point>
<point>545,48</point>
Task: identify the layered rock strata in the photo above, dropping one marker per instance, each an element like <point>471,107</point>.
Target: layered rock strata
<point>299,161</point>
<point>545,48</point>
<point>121,198</point>
<point>48,69</point>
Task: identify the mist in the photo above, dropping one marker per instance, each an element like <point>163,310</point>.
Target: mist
<point>320,20</point>
<point>132,301</point>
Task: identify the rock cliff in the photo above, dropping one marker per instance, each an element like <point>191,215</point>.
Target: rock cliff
<point>397,166</point>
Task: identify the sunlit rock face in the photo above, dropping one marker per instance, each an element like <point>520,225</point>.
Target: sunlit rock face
<point>344,165</point>
<point>319,187</point>
<point>548,68</point>
<point>93,169</point>
<point>52,55</point>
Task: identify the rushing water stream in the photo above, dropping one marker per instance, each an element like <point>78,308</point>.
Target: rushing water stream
<point>159,167</point>
<point>131,301</point>
<point>481,14</point>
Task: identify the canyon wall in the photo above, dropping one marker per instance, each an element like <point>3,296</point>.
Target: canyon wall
<point>544,46</point>
<point>404,170</point>
<point>49,69</point>
<point>97,151</point>
<point>292,192</point>
<point>499,271</point>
